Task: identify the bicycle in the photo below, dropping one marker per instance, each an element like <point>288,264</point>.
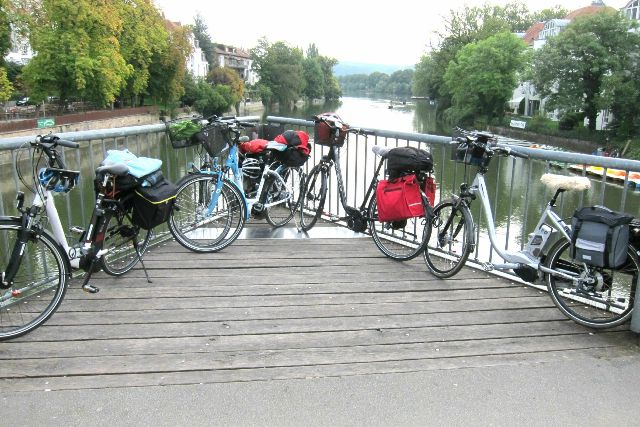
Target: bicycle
<point>36,263</point>
<point>399,240</point>
<point>591,296</point>
<point>211,208</point>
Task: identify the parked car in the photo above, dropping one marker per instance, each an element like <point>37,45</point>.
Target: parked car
<point>22,102</point>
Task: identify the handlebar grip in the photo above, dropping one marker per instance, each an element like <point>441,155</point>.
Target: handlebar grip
<point>66,143</point>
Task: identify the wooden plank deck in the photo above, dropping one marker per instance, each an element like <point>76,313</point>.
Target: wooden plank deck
<point>268,309</point>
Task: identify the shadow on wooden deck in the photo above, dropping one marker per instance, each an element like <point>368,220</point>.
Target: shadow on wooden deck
<point>266,309</point>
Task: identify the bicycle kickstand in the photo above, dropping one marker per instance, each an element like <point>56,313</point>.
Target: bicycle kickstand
<point>141,261</point>
<point>86,286</point>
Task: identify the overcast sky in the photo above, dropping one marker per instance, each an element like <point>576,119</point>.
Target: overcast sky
<point>376,32</point>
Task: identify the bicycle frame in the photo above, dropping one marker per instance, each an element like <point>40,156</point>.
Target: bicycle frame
<point>515,259</point>
<point>231,164</point>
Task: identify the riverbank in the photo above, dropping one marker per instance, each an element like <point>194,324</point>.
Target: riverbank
<point>577,145</point>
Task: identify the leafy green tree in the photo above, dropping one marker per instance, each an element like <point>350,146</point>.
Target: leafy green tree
<point>314,78</point>
<point>212,99</point>
<point>77,51</point>
<point>143,36</point>
<point>168,69</point>
<point>6,89</point>
<point>201,34</point>
<point>5,30</point>
<point>482,77</point>
<point>423,77</point>
<point>331,87</point>
<point>229,77</point>
<point>280,69</point>
<point>572,67</point>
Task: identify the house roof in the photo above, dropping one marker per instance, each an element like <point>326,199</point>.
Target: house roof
<point>532,33</point>
<point>226,50</point>
<point>595,7</point>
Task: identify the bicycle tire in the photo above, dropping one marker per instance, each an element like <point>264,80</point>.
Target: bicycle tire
<point>313,197</point>
<point>198,231</point>
<point>119,239</point>
<point>607,304</point>
<point>399,240</point>
<point>39,285</point>
<point>282,213</point>
<point>450,243</point>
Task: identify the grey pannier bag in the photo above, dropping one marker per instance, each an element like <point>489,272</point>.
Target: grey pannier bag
<point>600,236</point>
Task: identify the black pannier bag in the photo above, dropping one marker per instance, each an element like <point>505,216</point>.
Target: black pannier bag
<point>600,236</point>
<point>402,160</point>
<point>152,204</point>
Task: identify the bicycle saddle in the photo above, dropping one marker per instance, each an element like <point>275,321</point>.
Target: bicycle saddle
<point>118,169</point>
<point>565,183</point>
<point>380,150</point>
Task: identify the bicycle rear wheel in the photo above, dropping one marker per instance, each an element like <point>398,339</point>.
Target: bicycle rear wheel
<point>200,227</point>
<point>121,238</point>
<point>451,239</point>
<point>39,285</point>
<point>399,240</point>
<point>287,196</point>
<point>606,302</point>
<point>313,197</point>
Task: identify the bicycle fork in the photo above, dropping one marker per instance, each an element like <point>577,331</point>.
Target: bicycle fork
<point>19,246</point>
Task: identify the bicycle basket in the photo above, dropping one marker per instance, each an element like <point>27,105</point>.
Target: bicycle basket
<point>58,180</point>
<point>331,131</point>
<point>182,131</point>
<point>470,155</point>
<point>213,138</point>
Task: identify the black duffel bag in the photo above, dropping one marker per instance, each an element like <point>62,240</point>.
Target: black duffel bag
<point>600,236</point>
<point>152,204</point>
<point>403,160</point>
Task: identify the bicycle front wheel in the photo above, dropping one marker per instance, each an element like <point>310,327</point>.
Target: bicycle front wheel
<point>451,239</point>
<point>400,240</point>
<point>601,298</point>
<point>199,222</point>
<point>313,197</point>
<point>39,284</point>
<point>120,239</point>
<point>283,197</point>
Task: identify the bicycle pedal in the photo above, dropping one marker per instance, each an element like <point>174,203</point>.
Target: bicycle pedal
<point>487,266</point>
<point>90,288</point>
<point>76,230</point>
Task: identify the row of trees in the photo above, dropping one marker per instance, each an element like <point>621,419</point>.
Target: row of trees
<point>99,51</point>
<point>287,74</point>
<point>474,69</point>
<point>590,66</point>
<point>397,84</point>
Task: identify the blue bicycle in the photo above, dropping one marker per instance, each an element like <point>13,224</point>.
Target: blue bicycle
<point>216,199</point>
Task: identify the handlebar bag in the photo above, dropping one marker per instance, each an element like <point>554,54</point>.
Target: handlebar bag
<point>152,205</point>
<point>399,199</point>
<point>600,236</point>
<point>408,159</point>
<point>298,149</point>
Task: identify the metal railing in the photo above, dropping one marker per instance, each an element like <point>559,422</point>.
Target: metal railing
<point>517,196</point>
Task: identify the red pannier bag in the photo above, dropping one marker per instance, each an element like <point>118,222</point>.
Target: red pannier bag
<point>430,190</point>
<point>254,147</point>
<point>399,199</point>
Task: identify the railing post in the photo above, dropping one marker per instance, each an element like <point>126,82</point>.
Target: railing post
<point>635,314</point>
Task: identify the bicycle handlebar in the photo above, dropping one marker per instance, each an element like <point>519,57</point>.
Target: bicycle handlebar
<point>55,140</point>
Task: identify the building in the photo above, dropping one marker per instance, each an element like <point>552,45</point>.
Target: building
<point>525,98</point>
<point>20,51</point>
<point>237,59</point>
<point>632,10</point>
<point>197,63</point>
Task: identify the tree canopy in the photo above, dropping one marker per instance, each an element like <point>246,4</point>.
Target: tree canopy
<point>396,84</point>
<point>201,34</point>
<point>572,69</point>
<point>483,75</point>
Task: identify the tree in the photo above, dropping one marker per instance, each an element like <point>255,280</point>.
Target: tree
<point>168,68</point>
<point>77,51</point>
<point>143,36</point>
<point>314,78</point>
<point>212,100</point>
<point>572,67</point>
<point>423,78</point>
<point>6,89</point>
<point>281,71</point>
<point>228,77</point>
<point>201,34</point>
<point>5,31</point>
<point>483,76</point>
<point>331,87</point>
